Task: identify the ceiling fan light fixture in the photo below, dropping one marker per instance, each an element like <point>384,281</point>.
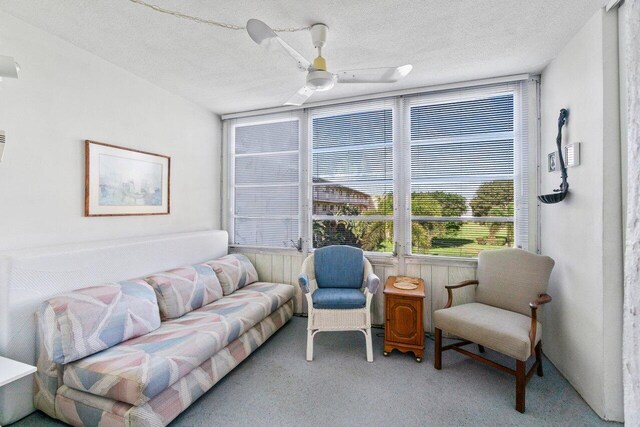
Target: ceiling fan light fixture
<point>320,80</point>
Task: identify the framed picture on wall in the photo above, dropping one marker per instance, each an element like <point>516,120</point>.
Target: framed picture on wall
<point>122,181</point>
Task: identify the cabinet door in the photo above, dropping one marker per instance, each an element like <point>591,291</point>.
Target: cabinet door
<point>403,318</point>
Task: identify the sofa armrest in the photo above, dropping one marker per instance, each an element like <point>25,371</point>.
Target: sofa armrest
<point>372,283</point>
<point>303,282</point>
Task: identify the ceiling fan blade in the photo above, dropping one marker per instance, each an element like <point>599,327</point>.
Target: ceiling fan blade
<point>374,75</point>
<point>8,67</point>
<point>300,97</point>
<point>263,35</point>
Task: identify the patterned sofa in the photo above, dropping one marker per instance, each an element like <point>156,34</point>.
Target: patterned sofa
<point>139,352</point>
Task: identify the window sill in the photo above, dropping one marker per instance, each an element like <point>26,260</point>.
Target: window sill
<point>441,260</point>
<point>263,250</point>
<point>373,257</point>
<point>381,258</point>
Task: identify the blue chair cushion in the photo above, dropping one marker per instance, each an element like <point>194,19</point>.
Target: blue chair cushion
<point>339,298</point>
<point>339,267</point>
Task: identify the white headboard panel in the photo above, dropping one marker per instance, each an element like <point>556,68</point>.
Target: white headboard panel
<point>28,277</point>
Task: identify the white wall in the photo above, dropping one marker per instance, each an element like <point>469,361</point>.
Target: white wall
<point>65,95</point>
<point>583,324</point>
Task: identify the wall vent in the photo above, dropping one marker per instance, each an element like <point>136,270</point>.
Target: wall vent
<point>1,144</point>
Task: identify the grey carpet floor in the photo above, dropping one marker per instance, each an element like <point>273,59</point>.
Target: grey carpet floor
<point>276,386</point>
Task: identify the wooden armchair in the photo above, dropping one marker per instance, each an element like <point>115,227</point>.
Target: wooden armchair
<point>511,286</point>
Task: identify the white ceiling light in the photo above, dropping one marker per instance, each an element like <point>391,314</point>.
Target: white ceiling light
<point>8,67</point>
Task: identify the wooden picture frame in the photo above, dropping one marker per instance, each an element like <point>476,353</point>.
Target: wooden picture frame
<point>122,181</point>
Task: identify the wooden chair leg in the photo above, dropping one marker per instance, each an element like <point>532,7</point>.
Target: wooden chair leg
<point>480,348</point>
<point>539,359</point>
<point>521,382</point>
<point>437,356</point>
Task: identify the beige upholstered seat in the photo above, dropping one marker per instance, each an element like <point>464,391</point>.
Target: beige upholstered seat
<point>500,330</point>
<point>511,285</point>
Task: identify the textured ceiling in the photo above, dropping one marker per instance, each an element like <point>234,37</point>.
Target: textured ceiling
<point>223,70</point>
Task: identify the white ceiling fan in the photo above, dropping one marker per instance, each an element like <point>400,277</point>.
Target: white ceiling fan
<point>318,78</point>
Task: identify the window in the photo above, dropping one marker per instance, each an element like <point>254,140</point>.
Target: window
<point>266,183</point>
<point>463,163</point>
<point>443,173</point>
<point>352,164</point>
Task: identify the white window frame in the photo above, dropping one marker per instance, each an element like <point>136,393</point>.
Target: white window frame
<point>364,106</point>
<point>230,185</point>
<point>466,94</point>
<point>402,174</point>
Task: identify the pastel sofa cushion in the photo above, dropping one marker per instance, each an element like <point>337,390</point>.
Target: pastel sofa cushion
<point>338,298</point>
<point>339,267</point>
<point>185,289</point>
<point>137,370</point>
<point>512,278</point>
<point>501,330</point>
<point>83,322</point>
<point>234,271</point>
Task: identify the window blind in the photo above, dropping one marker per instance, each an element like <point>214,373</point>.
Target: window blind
<point>468,160</point>
<point>266,182</point>
<point>352,176</point>
<point>443,173</point>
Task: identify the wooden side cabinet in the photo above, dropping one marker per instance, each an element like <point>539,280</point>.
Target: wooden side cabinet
<point>404,327</point>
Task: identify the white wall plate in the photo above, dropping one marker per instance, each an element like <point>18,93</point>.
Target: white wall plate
<point>553,162</point>
<point>572,154</point>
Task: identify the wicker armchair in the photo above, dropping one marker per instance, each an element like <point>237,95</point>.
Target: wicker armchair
<point>511,286</point>
<point>338,283</point>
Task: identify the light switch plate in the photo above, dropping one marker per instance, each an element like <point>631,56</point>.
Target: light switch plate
<point>572,154</point>
<point>553,164</point>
